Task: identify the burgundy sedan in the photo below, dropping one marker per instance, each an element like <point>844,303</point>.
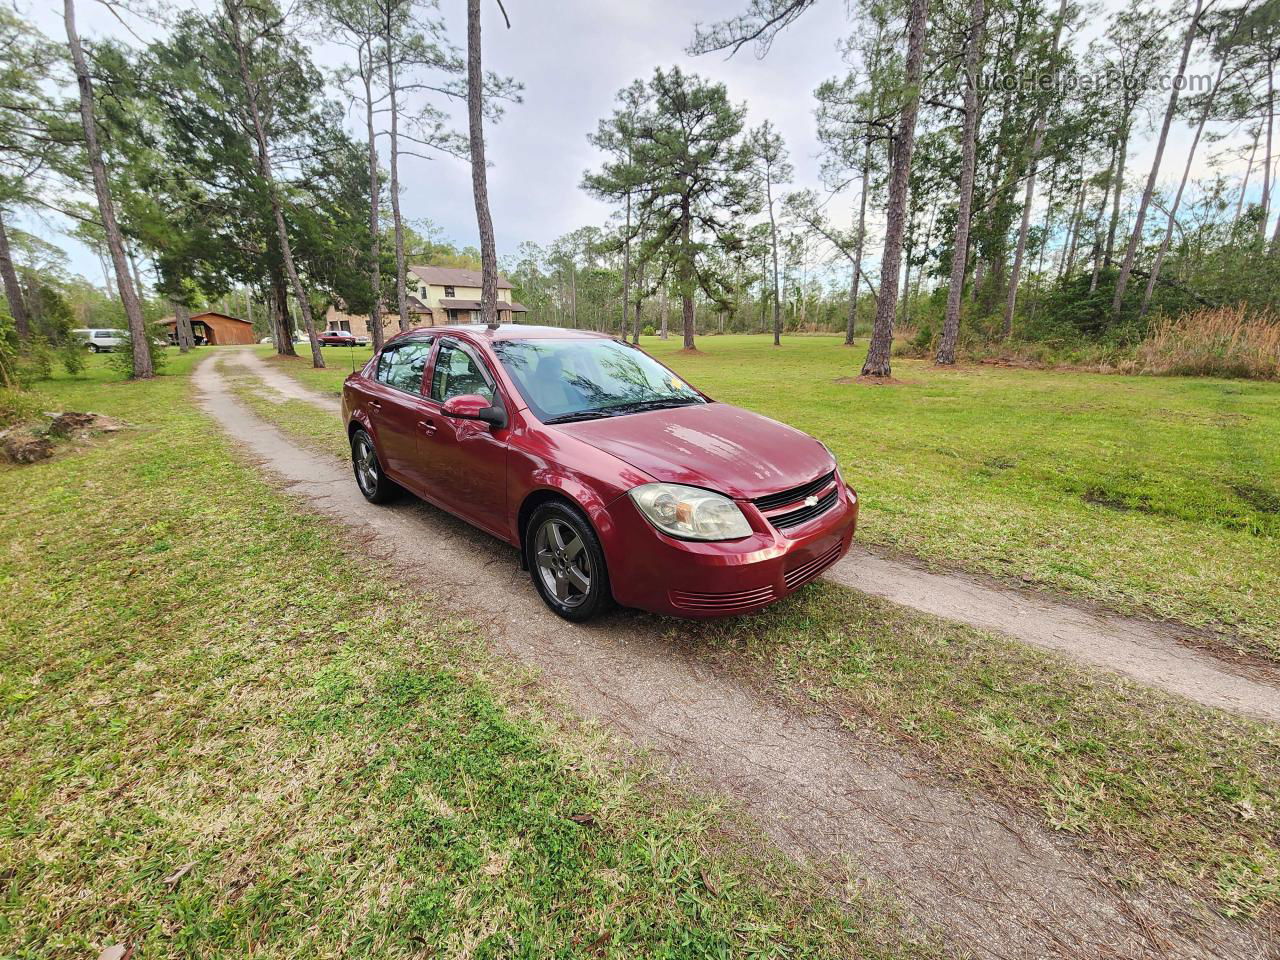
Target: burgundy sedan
<point>341,338</point>
<point>618,481</point>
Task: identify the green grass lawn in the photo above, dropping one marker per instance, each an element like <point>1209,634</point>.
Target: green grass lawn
<point>1173,790</point>
<point>224,734</point>
<point>1152,494</point>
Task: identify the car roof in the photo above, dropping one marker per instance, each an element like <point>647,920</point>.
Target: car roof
<point>503,331</point>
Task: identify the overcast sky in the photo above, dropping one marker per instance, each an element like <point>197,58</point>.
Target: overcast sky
<point>572,57</point>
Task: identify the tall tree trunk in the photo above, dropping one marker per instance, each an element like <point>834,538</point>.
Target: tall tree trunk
<point>663,309</point>
<point>635,327</point>
<point>1077,219</point>
<point>968,165</point>
<point>136,274</point>
<point>861,239</point>
<point>686,274</point>
<point>393,105</point>
<point>773,245</point>
<point>142,367</point>
<point>273,190</point>
<point>1266,166</point>
<point>479,175</point>
<point>1244,186</point>
<point>12,289</point>
<point>1036,146</point>
<point>1103,199</point>
<point>626,262</point>
<point>1117,184</point>
<point>375,197</point>
<point>182,325</point>
<point>878,363</point>
<point>280,314</point>
<point>1177,198</point>
<point>1131,251</point>
<point>905,299</point>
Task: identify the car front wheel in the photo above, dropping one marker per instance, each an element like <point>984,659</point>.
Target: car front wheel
<point>93,348</point>
<point>373,483</point>
<point>567,563</point>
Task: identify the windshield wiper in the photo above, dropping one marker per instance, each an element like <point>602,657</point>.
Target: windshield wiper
<point>619,409</point>
<point>658,403</point>
<point>580,415</point>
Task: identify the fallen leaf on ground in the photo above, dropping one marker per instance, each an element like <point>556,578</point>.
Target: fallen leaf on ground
<point>584,819</point>
<point>117,951</point>
<point>173,878</point>
<point>706,882</point>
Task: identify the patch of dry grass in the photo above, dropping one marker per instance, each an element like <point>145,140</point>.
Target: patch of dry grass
<point>1233,341</point>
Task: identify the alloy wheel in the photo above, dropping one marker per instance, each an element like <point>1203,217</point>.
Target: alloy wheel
<point>563,562</point>
<point>366,462</point>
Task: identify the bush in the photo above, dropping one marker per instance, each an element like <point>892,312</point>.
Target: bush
<point>35,361</point>
<point>72,355</point>
<point>1217,342</point>
<point>648,330</point>
<point>17,406</point>
<point>121,358</point>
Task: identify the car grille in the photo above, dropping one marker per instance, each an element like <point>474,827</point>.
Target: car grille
<point>807,571</point>
<point>794,518</point>
<point>787,497</point>
<point>721,602</point>
<point>824,488</point>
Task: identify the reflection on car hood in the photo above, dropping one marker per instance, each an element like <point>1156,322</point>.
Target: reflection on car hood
<point>714,445</point>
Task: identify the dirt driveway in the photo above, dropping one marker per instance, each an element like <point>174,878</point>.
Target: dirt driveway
<point>990,881</point>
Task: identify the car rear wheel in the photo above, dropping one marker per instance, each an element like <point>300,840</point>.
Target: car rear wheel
<point>93,348</point>
<point>566,562</point>
<point>373,483</point>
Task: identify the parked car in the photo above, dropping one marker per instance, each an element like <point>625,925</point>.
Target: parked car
<point>99,340</point>
<point>342,338</point>
<point>618,481</point>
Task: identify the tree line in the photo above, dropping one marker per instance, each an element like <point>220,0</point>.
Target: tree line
<point>984,149</point>
<point>217,155</point>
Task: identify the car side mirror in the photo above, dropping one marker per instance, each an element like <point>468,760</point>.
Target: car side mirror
<point>472,406</point>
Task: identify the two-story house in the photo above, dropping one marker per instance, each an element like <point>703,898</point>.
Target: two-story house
<point>437,296</point>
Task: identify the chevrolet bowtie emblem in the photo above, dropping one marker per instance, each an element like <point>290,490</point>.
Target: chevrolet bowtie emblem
<point>810,501</point>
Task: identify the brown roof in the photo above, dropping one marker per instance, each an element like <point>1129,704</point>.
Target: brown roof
<point>201,315</point>
<point>415,305</point>
<point>455,277</point>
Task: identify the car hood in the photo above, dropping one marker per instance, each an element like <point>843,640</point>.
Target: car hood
<point>715,445</point>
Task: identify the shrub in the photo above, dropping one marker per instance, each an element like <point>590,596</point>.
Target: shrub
<point>72,355</point>
<point>17,406</point>
<point>121,358</point>
<point>35,361</point>
<point>1217,342</point>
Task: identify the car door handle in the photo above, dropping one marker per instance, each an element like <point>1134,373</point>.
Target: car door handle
<point>427,426</point>
<point>375,404</point>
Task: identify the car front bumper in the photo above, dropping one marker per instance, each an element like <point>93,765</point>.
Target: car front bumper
<point>652,571</point>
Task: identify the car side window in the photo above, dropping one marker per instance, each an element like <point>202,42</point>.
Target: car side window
<point>457,373</point>
<point>402,366</point>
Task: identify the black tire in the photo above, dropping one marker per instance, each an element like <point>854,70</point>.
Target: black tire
<point>566,562</point>
<point>93,348</point>
<point>370,478</point>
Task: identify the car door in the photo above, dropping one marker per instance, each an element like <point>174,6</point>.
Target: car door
<point>396,407</point>
<point>465,460</point>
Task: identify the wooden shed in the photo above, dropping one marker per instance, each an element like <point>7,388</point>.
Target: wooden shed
<point>213,328</point>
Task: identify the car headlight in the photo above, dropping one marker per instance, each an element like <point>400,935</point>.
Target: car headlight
<point>690,513</point>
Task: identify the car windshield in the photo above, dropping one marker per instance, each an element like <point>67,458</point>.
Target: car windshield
<point>567,380</point>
